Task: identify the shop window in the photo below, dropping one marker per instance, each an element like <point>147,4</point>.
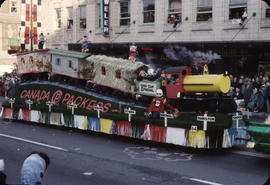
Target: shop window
<point>118,74</point>
<point>70,18</point>
<point>58,17</point>
<point>173,79</point>
<point>267,11</point>
<point>237,8</point>
<point>70,64</point>
<point>103,71</point>
<point>124,13</point>
<point>204,10</point>
<point>83,17</point>
<point>58,61</point>
<point>175,11</point>
<point>148,11</point>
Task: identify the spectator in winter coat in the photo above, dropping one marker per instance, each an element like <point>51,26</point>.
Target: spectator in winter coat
<point>261,99</point>
<point>253,100</point>
<point>247,89</point>
<point>33,168</point>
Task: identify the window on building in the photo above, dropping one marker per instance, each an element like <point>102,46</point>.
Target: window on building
<point>70,64</point>
<point>103,71</point>
<point>14,6</point>
<point>237,8</point>
<point>118,74</point>
<point>175,11</point>
<point>83,17</point>
<point>58,17</point>
<point>70,18</point>
<point>148,11</point>
<point>267,11</point>
<point>204,10</point>
<point>124,13</point>
<point>39,2</point>
<point>58,61</point>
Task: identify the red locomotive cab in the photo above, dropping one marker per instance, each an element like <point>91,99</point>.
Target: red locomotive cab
<point>174,78</point>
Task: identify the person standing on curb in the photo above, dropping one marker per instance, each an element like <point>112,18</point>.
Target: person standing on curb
<point>33,168</point>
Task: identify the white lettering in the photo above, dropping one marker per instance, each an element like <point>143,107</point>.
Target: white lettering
<point>106,30</point>
<point>106,2</point>
<point>106,23</point>
<point>106,8</point>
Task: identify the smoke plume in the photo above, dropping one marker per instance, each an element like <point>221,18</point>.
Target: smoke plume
<point>189,58</point>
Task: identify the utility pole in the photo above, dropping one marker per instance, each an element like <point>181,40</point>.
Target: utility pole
<point>31,25</point>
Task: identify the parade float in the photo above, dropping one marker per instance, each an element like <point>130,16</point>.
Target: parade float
<point>260,134</point>
<point>113,95</point>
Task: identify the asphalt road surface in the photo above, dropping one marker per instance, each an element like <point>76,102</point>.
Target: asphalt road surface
<point>84,158</point>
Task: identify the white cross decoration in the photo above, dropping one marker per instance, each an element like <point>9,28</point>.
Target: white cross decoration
<point>248,114</point>
<point>236,118</point>
<point>166,116</point>
<point>29,102</point>
<point>130,113</point>
<point>98,109</point>
<point>72,106</point>
<point>205,119</point>
<point>11,101</point>
<point>50,104</point>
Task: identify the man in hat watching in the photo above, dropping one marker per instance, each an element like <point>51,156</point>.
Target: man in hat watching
<point>33,168</point>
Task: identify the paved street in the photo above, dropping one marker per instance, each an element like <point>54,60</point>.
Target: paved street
<point>86,158</point>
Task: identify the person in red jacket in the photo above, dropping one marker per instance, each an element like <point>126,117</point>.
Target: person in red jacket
<point>158,105</point>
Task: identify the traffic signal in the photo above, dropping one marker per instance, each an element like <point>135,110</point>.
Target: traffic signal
<point>1,2</point>
<point>267,1</point>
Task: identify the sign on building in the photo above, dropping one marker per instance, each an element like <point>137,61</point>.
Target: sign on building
<point>105,16</point>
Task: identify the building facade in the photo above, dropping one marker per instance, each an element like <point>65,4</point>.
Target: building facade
<point>216,25</point>
<point>9,32</point>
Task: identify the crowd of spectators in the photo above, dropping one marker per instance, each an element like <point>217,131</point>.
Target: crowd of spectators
<point>9,82</point>
<point>251,93</point>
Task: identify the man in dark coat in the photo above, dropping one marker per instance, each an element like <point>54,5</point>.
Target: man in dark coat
<point>247,89</point>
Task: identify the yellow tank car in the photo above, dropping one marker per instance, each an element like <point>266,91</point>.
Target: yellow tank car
<point>207,83</point>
